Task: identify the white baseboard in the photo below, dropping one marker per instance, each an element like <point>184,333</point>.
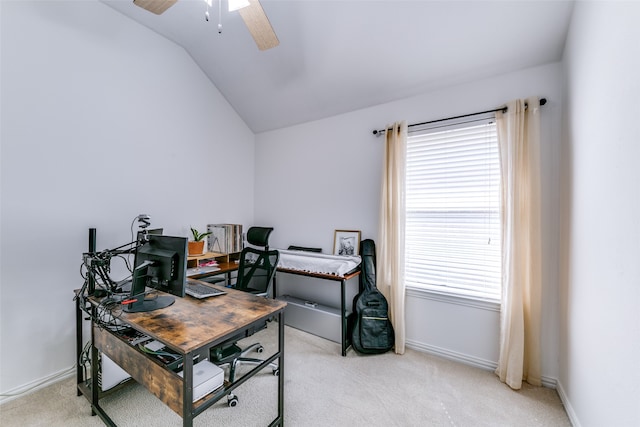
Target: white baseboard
<point>453,355</point>
<point>549,382</point>
<point>573,418</point>
<point>466,359</point>
<point>32,386</point>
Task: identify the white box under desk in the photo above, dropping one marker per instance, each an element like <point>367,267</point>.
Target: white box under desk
<point>207,377</point>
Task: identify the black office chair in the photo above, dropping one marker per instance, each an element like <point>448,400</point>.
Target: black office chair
<point>256,270</point>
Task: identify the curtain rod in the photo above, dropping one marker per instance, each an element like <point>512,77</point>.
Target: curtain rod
<point>503,109</point>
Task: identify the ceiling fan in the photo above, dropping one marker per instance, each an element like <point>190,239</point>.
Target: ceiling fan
<point>252,14</point>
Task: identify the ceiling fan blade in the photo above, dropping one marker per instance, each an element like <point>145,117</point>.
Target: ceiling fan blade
<point>155,6</point>
<point>259,25</point>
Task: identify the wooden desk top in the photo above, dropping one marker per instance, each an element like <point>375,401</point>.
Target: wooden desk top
<point>224,267</point>
<point>206,255</point>
<point>227,266</point>
<point>190,323</point>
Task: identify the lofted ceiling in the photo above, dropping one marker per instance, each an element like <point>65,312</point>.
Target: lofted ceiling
<point>337,56</point>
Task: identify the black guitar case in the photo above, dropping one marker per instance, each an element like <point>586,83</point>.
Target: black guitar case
<point>372,330</point>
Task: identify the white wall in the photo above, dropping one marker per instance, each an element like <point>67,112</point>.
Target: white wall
<point>101,120</point>
<point>325,175</point>
<point>600,251</point>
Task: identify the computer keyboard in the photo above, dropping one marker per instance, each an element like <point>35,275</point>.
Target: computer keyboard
<point>198,290</point>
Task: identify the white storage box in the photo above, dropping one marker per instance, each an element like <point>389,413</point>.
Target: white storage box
<point>110,374</point>
<point>206,378</point>
<point>320,320</point>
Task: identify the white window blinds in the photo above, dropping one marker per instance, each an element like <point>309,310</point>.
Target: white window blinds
<point>453,210</point>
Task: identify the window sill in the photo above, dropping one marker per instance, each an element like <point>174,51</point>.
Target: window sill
<point>450,298</point>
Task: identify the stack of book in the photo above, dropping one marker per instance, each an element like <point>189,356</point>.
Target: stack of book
<point>225,238</point>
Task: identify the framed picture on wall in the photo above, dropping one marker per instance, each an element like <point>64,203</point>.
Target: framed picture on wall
<point>346,242</point>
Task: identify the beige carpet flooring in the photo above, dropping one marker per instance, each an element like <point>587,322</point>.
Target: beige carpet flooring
<point>322,388</point>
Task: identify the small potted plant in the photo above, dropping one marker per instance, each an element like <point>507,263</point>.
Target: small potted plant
<point>196,246</point>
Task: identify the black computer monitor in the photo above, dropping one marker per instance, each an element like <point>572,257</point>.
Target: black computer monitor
<point>161,263</point>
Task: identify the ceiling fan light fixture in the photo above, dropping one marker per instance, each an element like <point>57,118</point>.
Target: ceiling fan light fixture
<point>237,4</point>
<point>250,11</point>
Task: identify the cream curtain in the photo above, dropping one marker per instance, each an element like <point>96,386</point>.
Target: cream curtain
<point>390,245</point>
<point>519,142</point>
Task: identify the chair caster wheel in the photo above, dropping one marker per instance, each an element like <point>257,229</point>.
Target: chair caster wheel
<point>232,401</point>
<point>276,372</point>
<point>260,349</point>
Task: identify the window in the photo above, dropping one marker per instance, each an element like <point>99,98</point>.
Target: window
<point>453,237</point>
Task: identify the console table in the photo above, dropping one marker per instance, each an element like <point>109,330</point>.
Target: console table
<point>189,327</point>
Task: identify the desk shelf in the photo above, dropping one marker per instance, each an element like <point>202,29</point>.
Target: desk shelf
<point>163,382</point>
<point>226,263</point>
<point>194,260</point>
<point>84,388</point>
<point>146,370</point>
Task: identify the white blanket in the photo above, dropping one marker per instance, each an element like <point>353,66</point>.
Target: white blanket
<point>317,263</point>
